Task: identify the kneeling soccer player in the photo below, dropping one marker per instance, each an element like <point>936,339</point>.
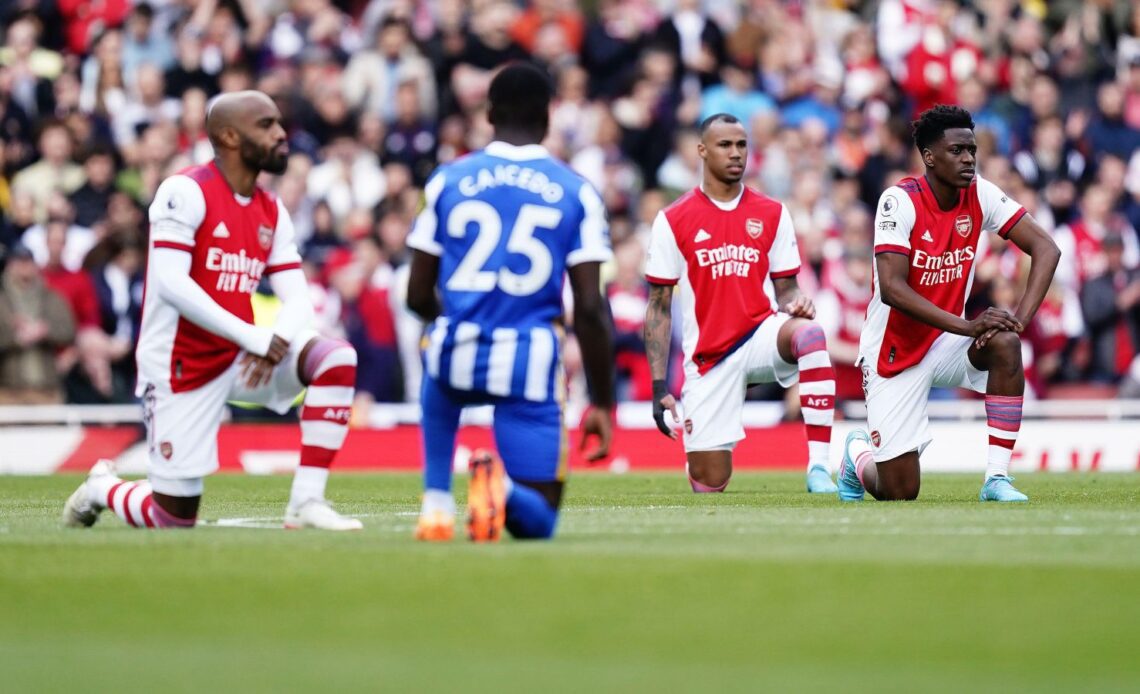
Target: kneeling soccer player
<point>926,237</point>
<point>499,230</point>
<point>214,233</point>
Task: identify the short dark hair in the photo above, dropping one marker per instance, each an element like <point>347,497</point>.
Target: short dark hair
<point>520,97</point>
<point>717,118</point>
<point>933,122</point>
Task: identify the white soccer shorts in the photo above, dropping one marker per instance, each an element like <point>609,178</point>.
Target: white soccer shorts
<point>182,428</point>
<point>713,403</point>
<point>896,406</point>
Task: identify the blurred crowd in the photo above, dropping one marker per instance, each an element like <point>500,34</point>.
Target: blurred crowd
<point>101,100</point>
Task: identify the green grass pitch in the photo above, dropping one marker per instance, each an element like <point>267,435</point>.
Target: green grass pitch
<point>647,588</point>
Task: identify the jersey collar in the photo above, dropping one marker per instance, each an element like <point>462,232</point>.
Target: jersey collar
<point>726,206</point>
<point>504,150</point>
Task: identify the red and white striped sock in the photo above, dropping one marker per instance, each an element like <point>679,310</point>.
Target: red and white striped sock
<point>1003,418</point>
<point>817,390</point>
<point>330,369</point>
<point>134,503</point>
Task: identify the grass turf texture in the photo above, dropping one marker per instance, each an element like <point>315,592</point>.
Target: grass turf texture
<point>647,588</point>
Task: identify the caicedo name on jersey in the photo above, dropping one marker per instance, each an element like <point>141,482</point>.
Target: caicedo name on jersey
<point>523,177</point>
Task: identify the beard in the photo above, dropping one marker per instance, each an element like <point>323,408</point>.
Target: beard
<point>267,159</point>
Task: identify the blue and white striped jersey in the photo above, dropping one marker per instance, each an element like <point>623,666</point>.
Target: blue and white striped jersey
<point>505,222</point>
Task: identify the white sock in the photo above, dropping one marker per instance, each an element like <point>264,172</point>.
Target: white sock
<point>308,483</point>
<point>438,501</point>
<point>98,487</point>
<point>818,453</point>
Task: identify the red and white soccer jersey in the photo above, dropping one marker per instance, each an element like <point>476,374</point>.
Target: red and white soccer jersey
<point>941,246</point>
<point>232,242</point>
<point>719,255</point>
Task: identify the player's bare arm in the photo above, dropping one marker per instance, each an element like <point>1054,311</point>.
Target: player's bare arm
<point>592,325</point>
<point>892,269</point>
<point>791,300</point>
<point>658,336</point>
<point>422,297</point>
<point>1028,235</point>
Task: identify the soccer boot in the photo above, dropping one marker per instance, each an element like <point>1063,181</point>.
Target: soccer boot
<point>435,526</point>
<point>486,497</point>
<point>1000,488</point>
<point>317,514</point>
<point>80,511</point>
<point>819,481</point>
<point>849,485</point>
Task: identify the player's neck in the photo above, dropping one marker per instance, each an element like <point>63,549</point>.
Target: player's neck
<point>947,196</point>
<point>518,138</point>
<point>721,191</point>
<point>239,177</point>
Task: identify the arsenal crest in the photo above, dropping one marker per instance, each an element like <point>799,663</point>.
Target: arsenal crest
<point>265,236</point>
<point>754,227</point>
<point>964,225</point>
<point>688,426</point>
<point>166,449</point>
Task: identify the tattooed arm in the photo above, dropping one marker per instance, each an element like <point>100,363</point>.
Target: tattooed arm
<point>658,336</point>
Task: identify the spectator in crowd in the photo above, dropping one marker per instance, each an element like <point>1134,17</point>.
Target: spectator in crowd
<point>628,295</point>
<point>53,172</point>
<point>373,75</point>
<point>143,44</point>
<point>411,137</point>
<point>34,323</point>
<point>696,42</point>
<point>115,267</point>
<point>1111,305</point>
<point>92,198</point>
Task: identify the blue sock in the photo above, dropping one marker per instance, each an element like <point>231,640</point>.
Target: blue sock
<point>529,516</point>
<point>438,428</point>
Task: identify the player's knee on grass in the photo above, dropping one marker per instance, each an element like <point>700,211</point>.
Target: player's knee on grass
<point>898,489</point>
<point>532,509</point>
<point>709,471</point>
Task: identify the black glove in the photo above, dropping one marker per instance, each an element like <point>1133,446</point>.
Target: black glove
<point>659,393</point>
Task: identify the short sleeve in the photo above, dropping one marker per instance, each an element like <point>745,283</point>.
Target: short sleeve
<point>664,262</point>
<point>284,254</point>
<point>176,213</point>
<point>1000,213</point>
<point>894,221</point>
<point>425,233</point>
<point>592,242</point>
<point>784,256</point>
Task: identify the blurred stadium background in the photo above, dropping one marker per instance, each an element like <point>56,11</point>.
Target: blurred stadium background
<point>99,101</point>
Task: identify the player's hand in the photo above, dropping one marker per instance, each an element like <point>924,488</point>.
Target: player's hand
<point>663,400</point>
<point>597,422</point>
<point>278,348</point>
<point>800,307</point>
<point>994,319</point>
<point>255,371</point>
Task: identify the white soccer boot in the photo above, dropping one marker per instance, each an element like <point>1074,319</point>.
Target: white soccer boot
<point>317,513</point>
<point>81,511</point>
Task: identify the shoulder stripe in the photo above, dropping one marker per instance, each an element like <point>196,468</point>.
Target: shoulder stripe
<point>891,248</point>
<point>174,245</point>
<point>282,267</point>
<point>1012,222</point>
